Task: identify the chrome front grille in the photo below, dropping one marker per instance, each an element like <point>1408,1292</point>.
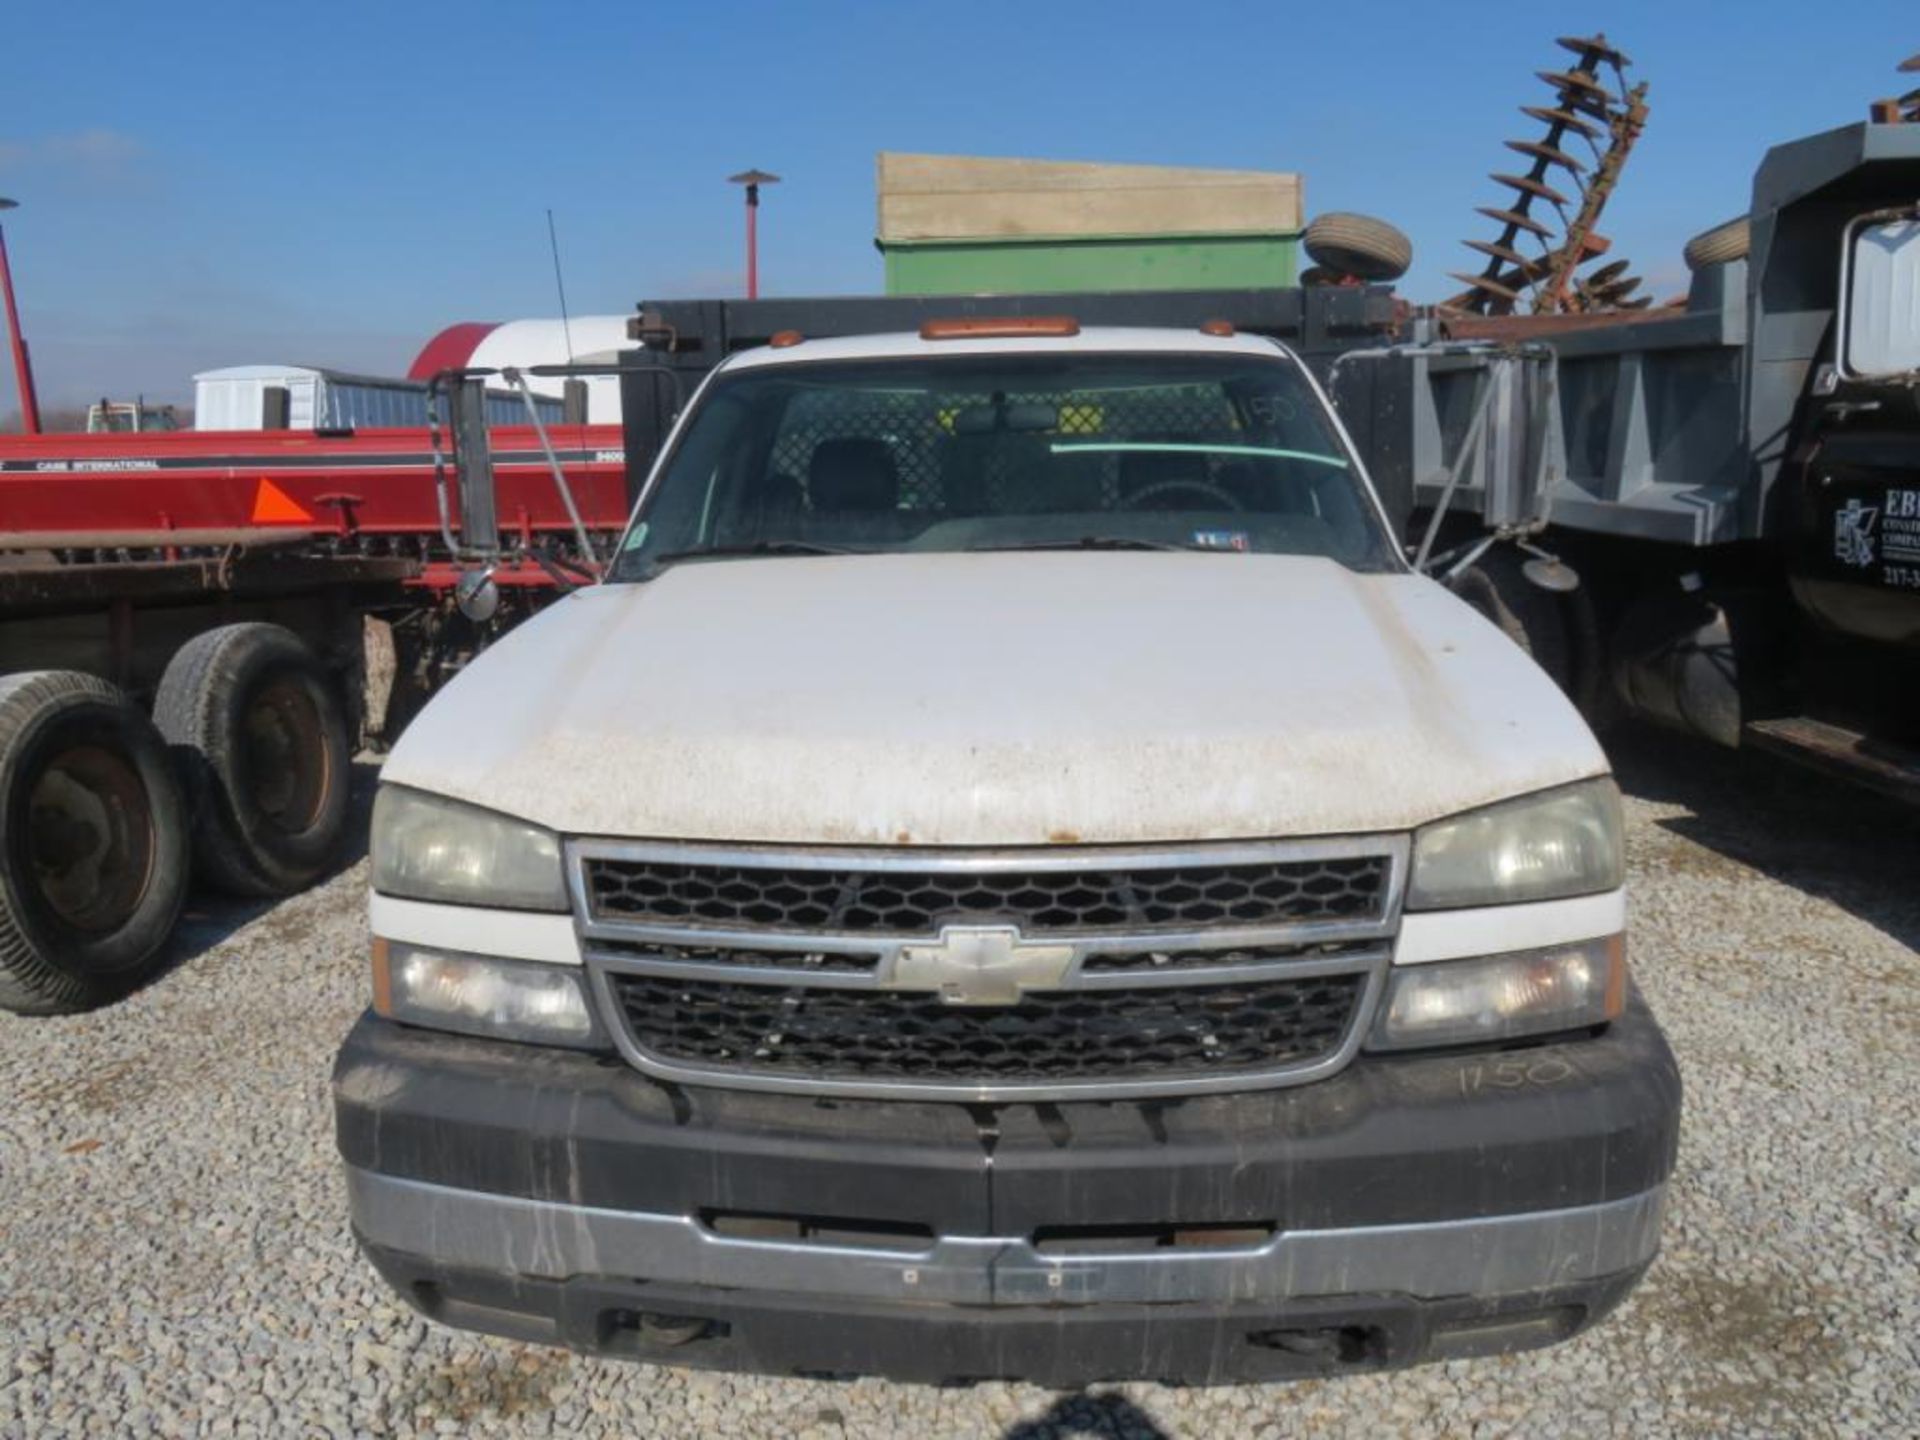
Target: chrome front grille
<point>987,975</point>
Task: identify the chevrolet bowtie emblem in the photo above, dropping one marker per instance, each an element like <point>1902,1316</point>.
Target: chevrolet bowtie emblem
<point>979,965</point>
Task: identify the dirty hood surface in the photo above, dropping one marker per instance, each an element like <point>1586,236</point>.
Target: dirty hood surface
<point>1011,699</point>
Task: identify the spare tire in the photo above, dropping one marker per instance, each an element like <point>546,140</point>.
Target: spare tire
<point>1728,241</point>
<point>259,728</point>
<point>1358,245</point>
<point>93,843</point>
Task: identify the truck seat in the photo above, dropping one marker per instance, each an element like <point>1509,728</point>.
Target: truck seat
<point>853,474</point>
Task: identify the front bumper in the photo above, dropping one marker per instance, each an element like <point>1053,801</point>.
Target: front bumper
<point>1409,1208</point>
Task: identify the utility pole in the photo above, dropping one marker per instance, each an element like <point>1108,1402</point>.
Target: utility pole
<point>753,180</point>
<point>22,367</point>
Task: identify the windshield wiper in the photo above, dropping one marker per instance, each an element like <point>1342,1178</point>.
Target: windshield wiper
<point>758,547</point>
<point>1090,542</point>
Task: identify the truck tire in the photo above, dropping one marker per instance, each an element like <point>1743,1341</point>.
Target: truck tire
<point>259,729</point>
<point>1724,242</point>
<point>1534,619</point>
<point>1358,245</point>
<point>93,843</point>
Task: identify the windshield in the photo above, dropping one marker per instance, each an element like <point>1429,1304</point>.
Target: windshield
<point>1149,451</point>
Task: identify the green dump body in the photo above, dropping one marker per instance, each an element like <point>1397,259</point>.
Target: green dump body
<point>1116,262</point>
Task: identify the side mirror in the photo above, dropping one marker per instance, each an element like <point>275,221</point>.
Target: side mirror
<point>476,596</point>
<point>473,463</point>
<point>1549,572</point>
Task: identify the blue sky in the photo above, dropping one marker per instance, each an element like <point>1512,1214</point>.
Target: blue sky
<point>221,184</point>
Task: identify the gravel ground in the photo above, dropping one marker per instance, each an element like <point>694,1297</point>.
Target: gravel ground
<point>174,1255</point>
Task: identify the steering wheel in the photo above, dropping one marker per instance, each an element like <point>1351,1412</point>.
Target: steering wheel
<point>1198,487</point>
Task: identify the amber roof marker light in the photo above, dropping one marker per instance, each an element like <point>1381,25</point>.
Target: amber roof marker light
<point>1220,329</point>
<point>1000,327</point>
<point>783,339</point>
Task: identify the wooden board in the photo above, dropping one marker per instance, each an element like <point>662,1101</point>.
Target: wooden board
<point>965,197</point>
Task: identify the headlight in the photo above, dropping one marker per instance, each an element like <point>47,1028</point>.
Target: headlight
<point>481,995</point>
<point>426,847</point>
<point>1540,847</point>
<point>1503,997</point>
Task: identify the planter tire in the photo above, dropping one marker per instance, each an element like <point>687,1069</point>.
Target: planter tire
<point>94,854</point>
<point>260,732</point>
<point>1358,245</point>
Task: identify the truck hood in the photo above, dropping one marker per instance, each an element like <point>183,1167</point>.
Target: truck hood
<point>1010,699</point>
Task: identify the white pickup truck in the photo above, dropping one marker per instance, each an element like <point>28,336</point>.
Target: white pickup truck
<point>1011,876</point>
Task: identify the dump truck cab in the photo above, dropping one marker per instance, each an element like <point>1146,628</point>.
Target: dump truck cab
<point>119,417</point>
<point>1847,198</point>
<point>1011,876</point>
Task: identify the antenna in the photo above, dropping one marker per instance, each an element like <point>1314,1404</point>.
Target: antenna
<point>553,244</point>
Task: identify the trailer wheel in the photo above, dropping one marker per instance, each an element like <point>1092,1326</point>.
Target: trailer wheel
<point>1729,240</point>
<point>1358,245</point>
<point>261,733</point>
<point>93,843</point>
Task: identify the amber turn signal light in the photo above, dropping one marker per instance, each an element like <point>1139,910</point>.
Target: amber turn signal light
<point>999,327</point>
<point>1616,1001</point>
<point>382,979</point>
